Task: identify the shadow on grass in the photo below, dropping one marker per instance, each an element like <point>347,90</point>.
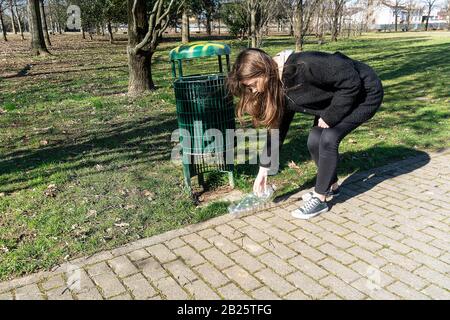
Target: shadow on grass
<point>145,140</point>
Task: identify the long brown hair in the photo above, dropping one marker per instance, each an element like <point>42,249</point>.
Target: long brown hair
<point>266,107</point>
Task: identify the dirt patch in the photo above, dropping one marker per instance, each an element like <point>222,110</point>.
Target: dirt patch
<point>225,193</point>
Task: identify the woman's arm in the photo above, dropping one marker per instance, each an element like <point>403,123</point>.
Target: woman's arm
<point>285,123</point>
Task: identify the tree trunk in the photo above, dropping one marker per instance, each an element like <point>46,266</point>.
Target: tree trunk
<point>299,27</point>
<point>253,25</point>
<point>111,37</point>
<point>44,23</point>
<point>13,18</point>
<point>198,24</point>
<point>408,20</point>
<point>428,18</point>
<point>448,15</point>
<point>208,25</point>
<point>335,25</point>
<point>220,26</point>
<point>139,63</point>
<point>83,33</point>
<point>185,34</point>
<point>2,25</point>
<point>38,46</point>
<point>396,21</point>
<point>19,21</point>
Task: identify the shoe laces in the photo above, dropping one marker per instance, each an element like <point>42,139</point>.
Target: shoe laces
<point>310,204</point>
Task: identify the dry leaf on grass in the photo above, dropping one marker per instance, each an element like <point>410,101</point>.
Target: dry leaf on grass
<point>294,166</point>
<point>51,190</point>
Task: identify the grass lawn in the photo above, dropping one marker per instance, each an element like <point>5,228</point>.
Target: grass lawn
<point>85,168</point>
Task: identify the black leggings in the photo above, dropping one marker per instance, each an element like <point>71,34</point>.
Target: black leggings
<point>323,145</point>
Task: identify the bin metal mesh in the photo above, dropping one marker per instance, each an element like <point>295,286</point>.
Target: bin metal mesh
<point>204,103</point>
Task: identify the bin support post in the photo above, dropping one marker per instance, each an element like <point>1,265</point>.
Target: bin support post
<point>231,179</point>
<point>201,179</point>
<point>187,177</point>
<point>220,64</point>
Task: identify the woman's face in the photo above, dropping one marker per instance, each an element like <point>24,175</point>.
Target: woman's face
<point>255,84</point>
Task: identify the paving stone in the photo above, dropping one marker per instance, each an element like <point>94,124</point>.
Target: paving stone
<point>274,281</point>
<point>213,276</point>
<point>217,258</point>
<point>200,290</point>
<point>341,288</point>
<point>139,287</point>
<point>244,279</point>
<point>122,266</point>
<point>247,261</point>
<point>109,284</point>
<point>170,289</point>
<point>307,285</point>
<point>189,255</point>
<point>161,252</point>
<point>29,292</point>
<point>264,293</point>
<point>232,292</point>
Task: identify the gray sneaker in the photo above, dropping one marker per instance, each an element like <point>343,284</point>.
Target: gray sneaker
<point>313,207</point>
<point>329,193</point>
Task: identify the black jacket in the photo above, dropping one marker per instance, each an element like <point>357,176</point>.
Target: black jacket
<point>331,86</point>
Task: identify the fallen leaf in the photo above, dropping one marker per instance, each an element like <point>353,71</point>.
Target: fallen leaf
<point>2,194</point>
<point>150,195</point>
<point>43,142</point>
<point>351,141</point>
<point>51,190</point>
<point>293,165</point>
<point>122,225</point>
<point>92,213</point>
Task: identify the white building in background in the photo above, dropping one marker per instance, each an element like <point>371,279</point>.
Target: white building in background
<point>381,15</point>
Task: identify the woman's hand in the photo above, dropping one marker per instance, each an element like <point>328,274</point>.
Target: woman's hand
<point>322,124</point>
<point>261,181</point>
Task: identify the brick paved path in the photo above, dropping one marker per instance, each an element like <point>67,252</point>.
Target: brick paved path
<point>388,239</point>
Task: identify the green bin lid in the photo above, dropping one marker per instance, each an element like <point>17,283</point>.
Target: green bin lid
<point>199,49</point>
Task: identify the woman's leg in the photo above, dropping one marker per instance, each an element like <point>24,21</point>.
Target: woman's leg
<point>313,143</point>
<point>329,155</point>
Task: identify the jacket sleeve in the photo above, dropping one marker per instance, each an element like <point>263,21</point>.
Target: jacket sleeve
<point>346,84</point>
<point>285,123</point>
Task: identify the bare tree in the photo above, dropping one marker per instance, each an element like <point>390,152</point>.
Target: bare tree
<point>260,13</point>
<point>19,20</point>
<point>396,6</point>
<point>13,17</point>
<point>410,8</point>
<point>2,23</point>
<point>146,25</point>
<point>430,5</point>
<point>448,15</point>
<point>38,46</point>
<point>44,24</point>
<point>300,14</point>
<point>185,31</point>
<point>338,9</point>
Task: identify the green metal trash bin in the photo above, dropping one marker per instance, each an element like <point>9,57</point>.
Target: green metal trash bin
<point>205,112</point>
